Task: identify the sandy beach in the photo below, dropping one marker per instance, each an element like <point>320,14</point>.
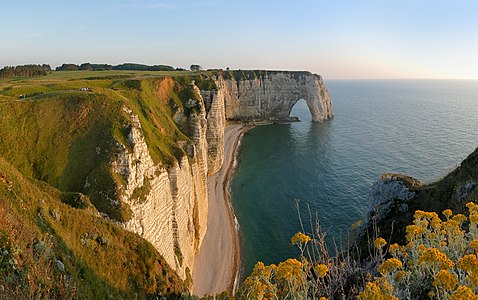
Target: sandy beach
<point>217,263</point>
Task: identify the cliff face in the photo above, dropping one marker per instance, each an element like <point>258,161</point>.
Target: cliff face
<point>170,205</point>
<point>271,96</point>
<point>216,120</point>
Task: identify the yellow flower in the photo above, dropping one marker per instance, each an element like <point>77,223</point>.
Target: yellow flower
<point>321,270</point>
<point>290,271</point>
<point>474,245</point>
<point>447,213</point>
<point>413,231</point>
<point>436,223</point>
<point>323,298</point>
<point>468,263</point>
<point>421,248</point>
<point>474,217</point>
<point>459,218</point>
<point>393,248</point>
<point>419,214</point>
<point>373,291</point>
<point>400,275</point>
<point>433,256</point>
<point>300,238</point>
<point>389,266</point>
<point>472,207</point>
<point>445,279</point>
<point>462,292</point>
<point>379,243</point>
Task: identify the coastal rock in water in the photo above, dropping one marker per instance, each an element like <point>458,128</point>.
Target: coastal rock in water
<point>270,96</point>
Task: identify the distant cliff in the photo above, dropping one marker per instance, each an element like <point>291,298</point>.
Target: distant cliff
<point>270,96</point>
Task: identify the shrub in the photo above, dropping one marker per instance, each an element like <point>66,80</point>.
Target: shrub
<point>438,261</point>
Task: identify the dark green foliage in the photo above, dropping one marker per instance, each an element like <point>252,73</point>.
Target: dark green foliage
<point>67,67</point>
<point>103,67</point>
<point>139,67</point>
<point>195,68</point>
<point>25,71</point>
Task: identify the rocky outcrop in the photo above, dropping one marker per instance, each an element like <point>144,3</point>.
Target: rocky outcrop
<point>391,190</point>
<point>395,198</point>
<point>270,96</point>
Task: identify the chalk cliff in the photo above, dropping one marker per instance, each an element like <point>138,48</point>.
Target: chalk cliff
<point>172,210</point>
<point>270,96</point>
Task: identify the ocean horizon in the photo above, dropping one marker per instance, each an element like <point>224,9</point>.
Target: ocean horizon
<point>422,128</point>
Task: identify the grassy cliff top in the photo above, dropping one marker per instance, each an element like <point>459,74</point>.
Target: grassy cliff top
<point>63,128</point>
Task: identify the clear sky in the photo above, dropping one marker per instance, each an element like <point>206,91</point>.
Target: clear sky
<point>336,38</point>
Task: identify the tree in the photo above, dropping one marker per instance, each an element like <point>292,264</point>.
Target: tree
<point>86,67</point>
<point>195,68</point>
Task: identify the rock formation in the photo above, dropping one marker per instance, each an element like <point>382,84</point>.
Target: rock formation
<point>270,96</point>
<point>171,209</point>
<point>172,213</point>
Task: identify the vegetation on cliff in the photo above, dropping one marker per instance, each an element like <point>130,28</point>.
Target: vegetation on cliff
<point>49,249</point>
<point>432,255</point>
<point>67,137</point>
<point>57,185</point>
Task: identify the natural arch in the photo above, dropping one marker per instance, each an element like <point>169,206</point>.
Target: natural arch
<point>298,109</point>
<point>271,96</point>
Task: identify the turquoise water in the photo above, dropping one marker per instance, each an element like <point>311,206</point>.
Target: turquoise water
<point>423,128</point>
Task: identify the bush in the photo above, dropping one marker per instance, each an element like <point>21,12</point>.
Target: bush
<point>439,261</point>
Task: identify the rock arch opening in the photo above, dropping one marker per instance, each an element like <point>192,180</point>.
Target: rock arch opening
<point>300,111</point>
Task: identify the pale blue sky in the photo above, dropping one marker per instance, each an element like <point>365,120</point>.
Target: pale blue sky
<point>336,38</point>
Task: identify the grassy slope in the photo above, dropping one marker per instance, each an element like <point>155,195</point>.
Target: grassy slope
<point>59,138</point>
<point>100,258</point>
<point>66,137</point>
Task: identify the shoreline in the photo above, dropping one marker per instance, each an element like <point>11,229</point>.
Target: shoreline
<point>217,264</point>
<point>232,216</point>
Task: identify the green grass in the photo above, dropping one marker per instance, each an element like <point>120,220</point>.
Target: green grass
<point>67,137</point>
<point>101,259</point>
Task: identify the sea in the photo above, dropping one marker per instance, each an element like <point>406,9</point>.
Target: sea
<point>323,171</point>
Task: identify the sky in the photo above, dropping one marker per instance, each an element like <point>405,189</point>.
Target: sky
<point>340,39</point>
